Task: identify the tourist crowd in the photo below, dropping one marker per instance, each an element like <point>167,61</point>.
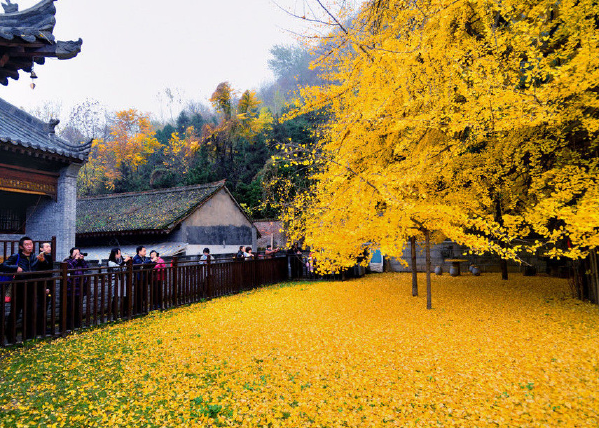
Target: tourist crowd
<point>34,297</point>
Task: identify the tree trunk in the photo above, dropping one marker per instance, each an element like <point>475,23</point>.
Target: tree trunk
<point>414,268</point>
<point>503,266</point>
<point>499,219</point>
<point>429,299</point>
<point>594,277</point>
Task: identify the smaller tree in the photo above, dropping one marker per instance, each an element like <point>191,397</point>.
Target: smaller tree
<point>178,155</point>
<point>114,162</point>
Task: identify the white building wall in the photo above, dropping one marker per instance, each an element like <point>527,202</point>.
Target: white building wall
<point>218,225</point>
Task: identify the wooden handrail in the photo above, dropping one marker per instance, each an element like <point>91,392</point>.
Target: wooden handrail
<point>104,290</point>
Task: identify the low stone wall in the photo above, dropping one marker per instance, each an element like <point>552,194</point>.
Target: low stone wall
<point>270,232</point>
<point>450,250</point>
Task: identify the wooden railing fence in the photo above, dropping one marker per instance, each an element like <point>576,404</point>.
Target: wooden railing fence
<point>53,303</point>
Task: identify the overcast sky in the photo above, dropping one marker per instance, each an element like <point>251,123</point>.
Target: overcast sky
<point>134,49</point>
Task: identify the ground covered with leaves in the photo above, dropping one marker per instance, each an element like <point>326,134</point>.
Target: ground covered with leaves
<point>326,354</point>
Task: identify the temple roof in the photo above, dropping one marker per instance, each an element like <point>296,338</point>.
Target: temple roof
<point>154,211</point>
<point>19,128</point>
<point>26,38</point>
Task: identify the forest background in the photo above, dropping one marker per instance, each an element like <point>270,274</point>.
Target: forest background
<point>233,139</point>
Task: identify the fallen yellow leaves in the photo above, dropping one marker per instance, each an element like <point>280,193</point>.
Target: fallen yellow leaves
<point>356,353</point>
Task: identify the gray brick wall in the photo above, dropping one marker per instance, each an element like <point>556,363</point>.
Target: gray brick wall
<point>9,237</point>
<point>57,218</point>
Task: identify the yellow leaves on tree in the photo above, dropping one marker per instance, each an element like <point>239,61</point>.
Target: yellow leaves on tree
<point>244,119</point>
<point>239,124</point>
<point>252,119</point>
<point>132,142</point>
<point>248,104</point>
<point>222,99</point>
<point>181,148</point>
<point>479,120</point>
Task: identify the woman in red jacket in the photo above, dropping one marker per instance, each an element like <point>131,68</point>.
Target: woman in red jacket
<point>159,275</point>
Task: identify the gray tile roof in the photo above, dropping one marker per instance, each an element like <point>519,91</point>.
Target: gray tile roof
<point>30,39</point>
<point>32,24</point>
<point>22,129</point>
<point>142,212</point>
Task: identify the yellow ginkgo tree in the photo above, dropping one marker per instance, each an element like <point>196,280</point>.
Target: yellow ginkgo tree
<point>239,121</point>
<point>475,120</point>
<point>178,155</point>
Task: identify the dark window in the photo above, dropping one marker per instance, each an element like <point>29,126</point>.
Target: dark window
<point>13,211</point>
<point>12,220</point>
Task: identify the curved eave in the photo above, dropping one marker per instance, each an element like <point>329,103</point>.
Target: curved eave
<point>11,62</point>
<point>28,35</point>
<point>26,38</point>
<point>39,17</point>
<point>79,153</point>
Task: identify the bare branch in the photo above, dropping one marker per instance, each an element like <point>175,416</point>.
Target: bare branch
<point>332,17</point>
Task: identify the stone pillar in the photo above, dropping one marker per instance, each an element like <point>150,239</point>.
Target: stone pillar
<point>254,239</point>
<point>57,218</point>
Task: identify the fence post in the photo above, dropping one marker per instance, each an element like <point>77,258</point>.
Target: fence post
<point>64,272</point>
<point>285,268</point>
<point>174,272</point>
<point>3,313</point>
<point>129,288</point>
<point>208,278</point>
<point>237,275</point>
<point>53,248</point>
<point>254,262</point>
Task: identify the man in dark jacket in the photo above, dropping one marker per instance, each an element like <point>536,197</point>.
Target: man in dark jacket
<point>140,292</point>
<point>140,256</point>
<point>23,261</point>
<point>45,263</point>
<point>296,260</point>
<point>239,256</point>
<point>44,258</point>
<point>76,287</point>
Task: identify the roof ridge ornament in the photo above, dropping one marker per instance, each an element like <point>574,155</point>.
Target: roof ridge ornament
<point>51,126</point>
<point>10,7</point>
